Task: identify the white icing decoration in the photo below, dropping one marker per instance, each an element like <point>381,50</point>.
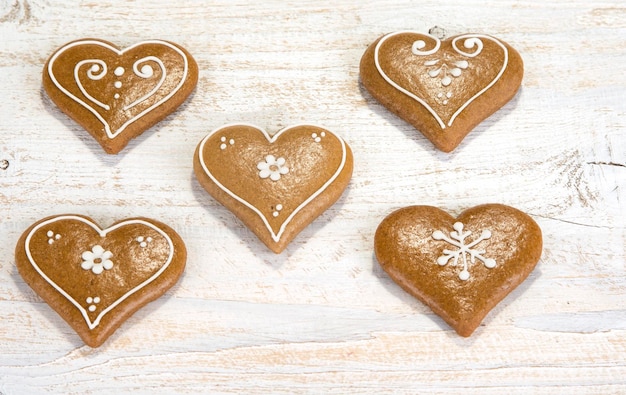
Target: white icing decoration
<point>97,260</point>
<point>420,44</point>
<point>107,127</point>
<point>92,302</point>
<point>116,96</point>
<point>275,236</point>
<point>471,41</point>
<point>231,141</point>
<point>119,71</point>
<point>223,139</point>
<point>97,63</point>
<point>272,167</point>
<point>223,146</point>
<point>147,72</point>
<point>52,237</point>
<point>276,213</point>
<point>102,233</point>
<point>457,239</point>
<point>143,242</point>
<point>117,84</point>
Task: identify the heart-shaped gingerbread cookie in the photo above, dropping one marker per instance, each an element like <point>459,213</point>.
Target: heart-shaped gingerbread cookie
<point>461,268</point>
<point>96,278</point>
<point>443,88</point>
<point>278,184</point>
<point>117,94</point>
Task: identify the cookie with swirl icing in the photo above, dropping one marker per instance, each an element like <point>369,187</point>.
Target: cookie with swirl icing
<point>116,94</point>
<point>95,278</point>
<point>444,88</point>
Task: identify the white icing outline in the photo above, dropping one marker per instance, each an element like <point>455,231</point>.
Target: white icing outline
<point>275,236</point>
<point>102,233</point>
<point>107,127</point>
<point>438,42</point>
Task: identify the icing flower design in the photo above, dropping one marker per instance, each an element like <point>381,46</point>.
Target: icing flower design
<point>97,260</point>
<point>272,168</point>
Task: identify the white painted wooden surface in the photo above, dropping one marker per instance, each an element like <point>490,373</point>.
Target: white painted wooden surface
<point>322,317</point>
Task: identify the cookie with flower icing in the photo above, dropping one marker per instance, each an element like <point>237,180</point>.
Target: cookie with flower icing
<point>444,88</point>
<point>460,267</point>
<point>95,278</point>
<point>277,184</point>
<point>116,94</point>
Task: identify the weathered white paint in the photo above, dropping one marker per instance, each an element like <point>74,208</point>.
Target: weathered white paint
<point>322,317</point>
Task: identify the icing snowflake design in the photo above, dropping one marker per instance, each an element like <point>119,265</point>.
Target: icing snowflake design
<point>272,168</point>
<point>457,239</point>
<point>97,260</point>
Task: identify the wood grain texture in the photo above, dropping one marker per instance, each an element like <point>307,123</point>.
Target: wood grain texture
<point>322,317</point>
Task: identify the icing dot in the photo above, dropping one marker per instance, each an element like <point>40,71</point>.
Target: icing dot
<point>419,44</point>
<point>231,141</point>
<point>50,233</point>
<point>314,135</point>
<point>449,95</point>
<point>118,84</point>
<point>147,71</point>
<point>490,263</point>
<point>140,239</point>
<point>223,146</point>
<point>445,81</point>
<point>143,244</point>
<point>279,207</point>
<point>440,95</point>
<point>464,275</point>
<point>223,139</point>
<point>95,68</point>
<point>323,134</point>
<point>50,241</point>
<point>96,299</point>
<point>275,213</point>
<point>445,102</point>
<point>119,71</point>
<point>318,139</point>
<point>116,96</point>
<point>89,300</point>
<point>92,308</point>
<point>149,239</point>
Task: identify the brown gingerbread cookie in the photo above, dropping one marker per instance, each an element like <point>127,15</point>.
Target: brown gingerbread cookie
<point>116,94</point>
<point>460,267</point>
<point>96,278</point>
<point>444,88</point>
<point>277,184</point>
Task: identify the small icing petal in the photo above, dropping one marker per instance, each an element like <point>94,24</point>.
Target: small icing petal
<point>280,161</point>
<point>98,250</point>
<point>108,265</point>
<point>264,173</point>
<point>87,264</point>
<point>262,166</point>
<point>275,176</point>
<point>270,159</point>
<point>283,170</point>
<point>106,255</point>
<point>87,256</point>
<point>97,268</point>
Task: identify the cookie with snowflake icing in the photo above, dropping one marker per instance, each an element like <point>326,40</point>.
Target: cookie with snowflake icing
<point>444,88</point>
<point>95,278</point>
<point>277,184</point>
<point>116,94</point>
<point>460,267</point>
